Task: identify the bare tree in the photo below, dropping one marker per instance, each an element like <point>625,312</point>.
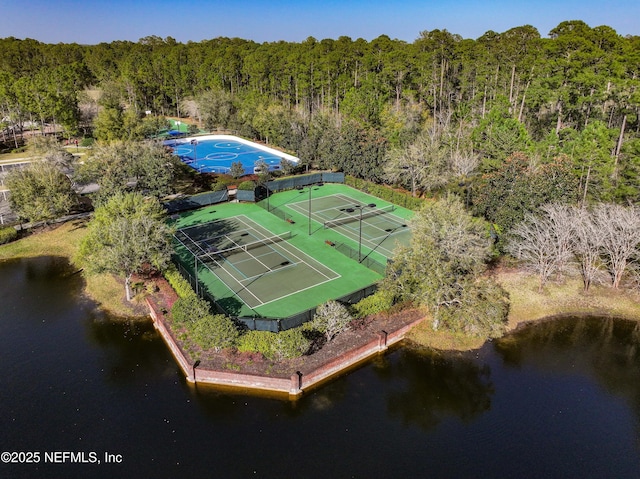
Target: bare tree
<point>462,163</point>
<point>533,243</point>
<point>237,169</point>
<point>402,168</point>
<point>88,106</point>
<point>620,230</point>
<point>331,318</point>
<point>587,239</point>
<point>543,242</point>
<point>560,217</point>
<point>421,165</point>
<point>191,109</point>
<point>52,151</point>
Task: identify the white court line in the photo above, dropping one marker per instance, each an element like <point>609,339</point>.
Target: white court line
<point>247,251</point>
<point>271,270</point>
<point>221,267</point>
<point>249,227</point>
<point>378,246</point>
<point>375,243</point>
<point>299,291</point>
<point>255,258</point>
<point>349,204</point>
<point>300,260</point>
<point>388,216</point>
<point>305,210</point>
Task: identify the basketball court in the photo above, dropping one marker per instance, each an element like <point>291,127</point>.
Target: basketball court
<point>216,154</point>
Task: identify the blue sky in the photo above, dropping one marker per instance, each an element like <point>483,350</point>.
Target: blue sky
<point>92,21</point>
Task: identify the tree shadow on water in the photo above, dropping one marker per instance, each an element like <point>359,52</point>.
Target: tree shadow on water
<point>436,386</point>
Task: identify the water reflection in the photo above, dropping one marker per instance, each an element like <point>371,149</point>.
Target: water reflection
<point>129,349</point>
<point>543,402</point>
<point>604,349</point>
<point>430,386</point>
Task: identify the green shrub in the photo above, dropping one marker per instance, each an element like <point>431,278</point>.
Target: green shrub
<point>288,344</point>
<point>291,344</point>
<point>378,302</point>
<point>247,185</point>
<point>180,285</point>
<point>481,311</point>
<point>86,142</point>
<point>214,332</point>
<point>7,234</point>
<point>204,329</point>
<point>189,309</point>
<point>257,342</point>
<point>219,186</point>
<point>225,179</point>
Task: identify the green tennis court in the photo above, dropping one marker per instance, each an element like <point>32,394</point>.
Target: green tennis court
<point>260,263</point>
<point>374,226</point>
<point>257,266</point>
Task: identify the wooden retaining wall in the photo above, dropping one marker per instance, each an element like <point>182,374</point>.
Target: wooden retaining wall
<point>293,386</point>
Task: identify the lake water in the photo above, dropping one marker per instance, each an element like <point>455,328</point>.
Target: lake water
<point>560,399</point>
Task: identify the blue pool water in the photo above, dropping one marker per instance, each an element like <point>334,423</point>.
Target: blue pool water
<point>217,154</point>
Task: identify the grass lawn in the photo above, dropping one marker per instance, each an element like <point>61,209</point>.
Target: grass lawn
<point>529,305</point>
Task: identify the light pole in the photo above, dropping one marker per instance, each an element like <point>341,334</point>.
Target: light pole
<point>310,188</point>
<point>195,152</point>
<point>361,209</point>
<point>268,207</point>
<point>309,207</point>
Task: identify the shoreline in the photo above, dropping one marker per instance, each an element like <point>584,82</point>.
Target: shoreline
<point>294,377</point>
<point>528,306</point>
<point>564,298</point>
<point>351,348</point>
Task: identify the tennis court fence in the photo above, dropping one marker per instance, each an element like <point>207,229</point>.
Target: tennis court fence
<point>196,201</point>
<point>367,261</point>
<point>262,192</point>
<point>294,182</point>
<point>257,195</point>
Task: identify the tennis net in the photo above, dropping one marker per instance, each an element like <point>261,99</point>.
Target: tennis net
<point>352,218</point>
<point>212,250</point>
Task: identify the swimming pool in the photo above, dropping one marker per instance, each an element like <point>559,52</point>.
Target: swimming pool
<point>216,153</point>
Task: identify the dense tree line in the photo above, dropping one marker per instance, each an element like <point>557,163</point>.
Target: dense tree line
<point>344,103</point>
